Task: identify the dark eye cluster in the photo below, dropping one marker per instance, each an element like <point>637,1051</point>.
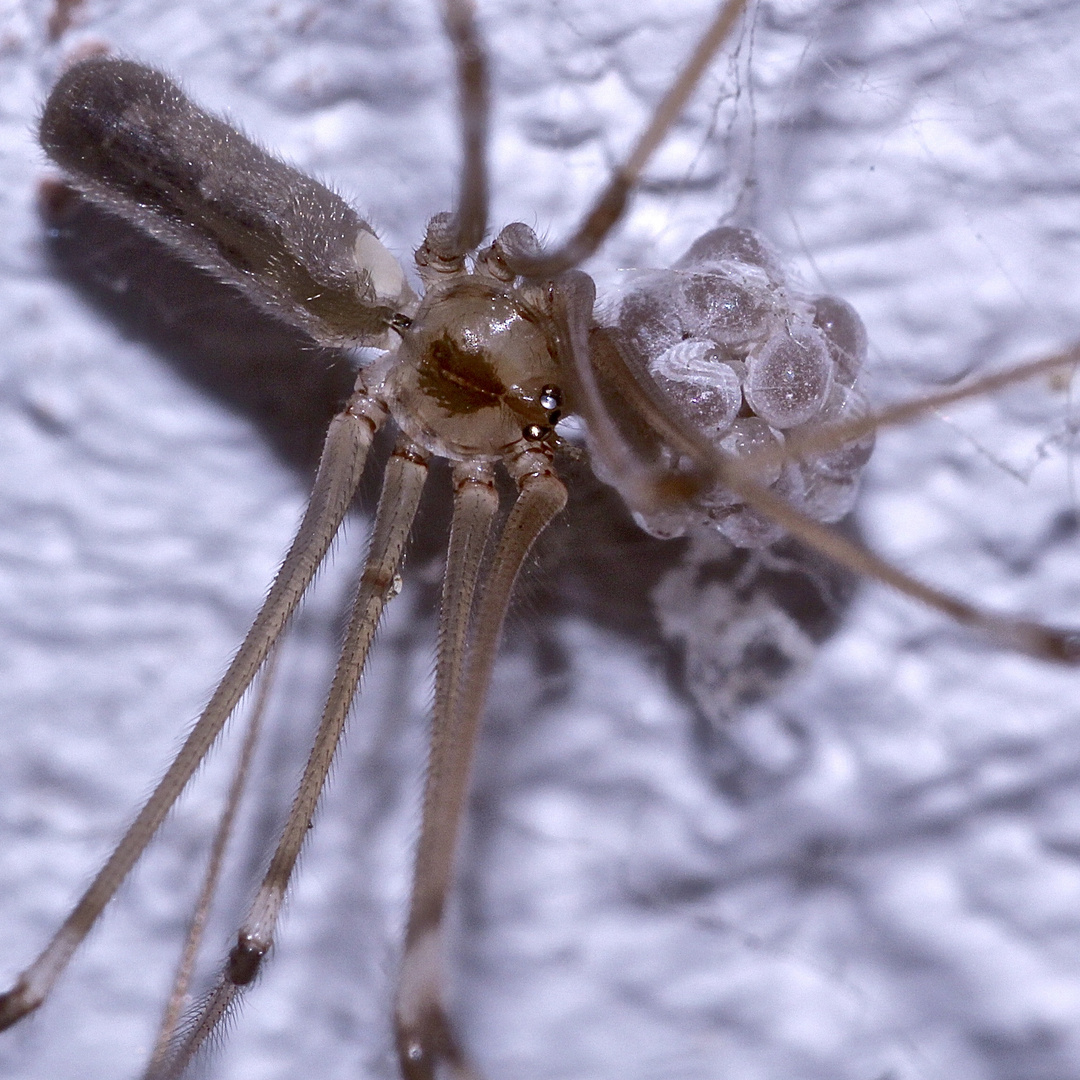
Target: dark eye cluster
<point>749,361</point>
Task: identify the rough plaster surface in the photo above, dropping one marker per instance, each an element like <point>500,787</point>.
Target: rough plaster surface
<point>875,875</point>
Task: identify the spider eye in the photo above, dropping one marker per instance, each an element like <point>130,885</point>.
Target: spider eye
<point>550,398</point>
<point>535,432</point>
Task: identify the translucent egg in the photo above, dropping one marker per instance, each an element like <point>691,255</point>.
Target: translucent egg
<point>845,336</point>
<point>789,377</point>
<point>732,244</point>
<point>706,390</point>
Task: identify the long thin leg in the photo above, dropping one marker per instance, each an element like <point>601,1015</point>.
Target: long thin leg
<point>608,208</point>
<point>340,468</point>
<point>402,485</point>
<point>212,877</point>
<point>833,436</point>
<point>1020,635</point>
<point>424,1037</point>
<point>474,104</point>
<point>475,504</point>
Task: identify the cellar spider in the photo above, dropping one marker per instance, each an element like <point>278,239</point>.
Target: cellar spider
<point>900,710</point>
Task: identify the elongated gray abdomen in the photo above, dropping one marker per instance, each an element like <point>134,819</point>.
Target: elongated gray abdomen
<point>130,139</point>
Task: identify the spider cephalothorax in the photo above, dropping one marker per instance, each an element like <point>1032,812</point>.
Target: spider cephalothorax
<point>477,371</point>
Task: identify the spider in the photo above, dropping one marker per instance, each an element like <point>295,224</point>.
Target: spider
<point>771,947</point>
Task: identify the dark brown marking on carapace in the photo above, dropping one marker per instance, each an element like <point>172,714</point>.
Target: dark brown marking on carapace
<point>461,380</point>
<point>477,347</point>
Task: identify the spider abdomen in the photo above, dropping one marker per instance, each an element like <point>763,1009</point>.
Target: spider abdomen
<point>132,141</point>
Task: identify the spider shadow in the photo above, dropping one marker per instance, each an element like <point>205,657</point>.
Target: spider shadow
<point>207,332</point>
<point>671,602</point>
<point>594,563</point>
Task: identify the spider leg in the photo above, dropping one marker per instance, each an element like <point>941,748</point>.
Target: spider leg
<point>340,468</point>
<point>1006,631</point>
<point>211,878</point>
<point>1049,643</point>
<point>476,503</point>
<point>832,436</point>
<point>474,105</point>
<point>403,482</point>
<point>606,212</point>
<point>424,1035</point>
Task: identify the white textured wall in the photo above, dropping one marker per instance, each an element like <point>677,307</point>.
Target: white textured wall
<point>893,892</point>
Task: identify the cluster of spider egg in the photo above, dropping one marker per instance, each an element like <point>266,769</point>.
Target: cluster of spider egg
<point>749,361</point>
